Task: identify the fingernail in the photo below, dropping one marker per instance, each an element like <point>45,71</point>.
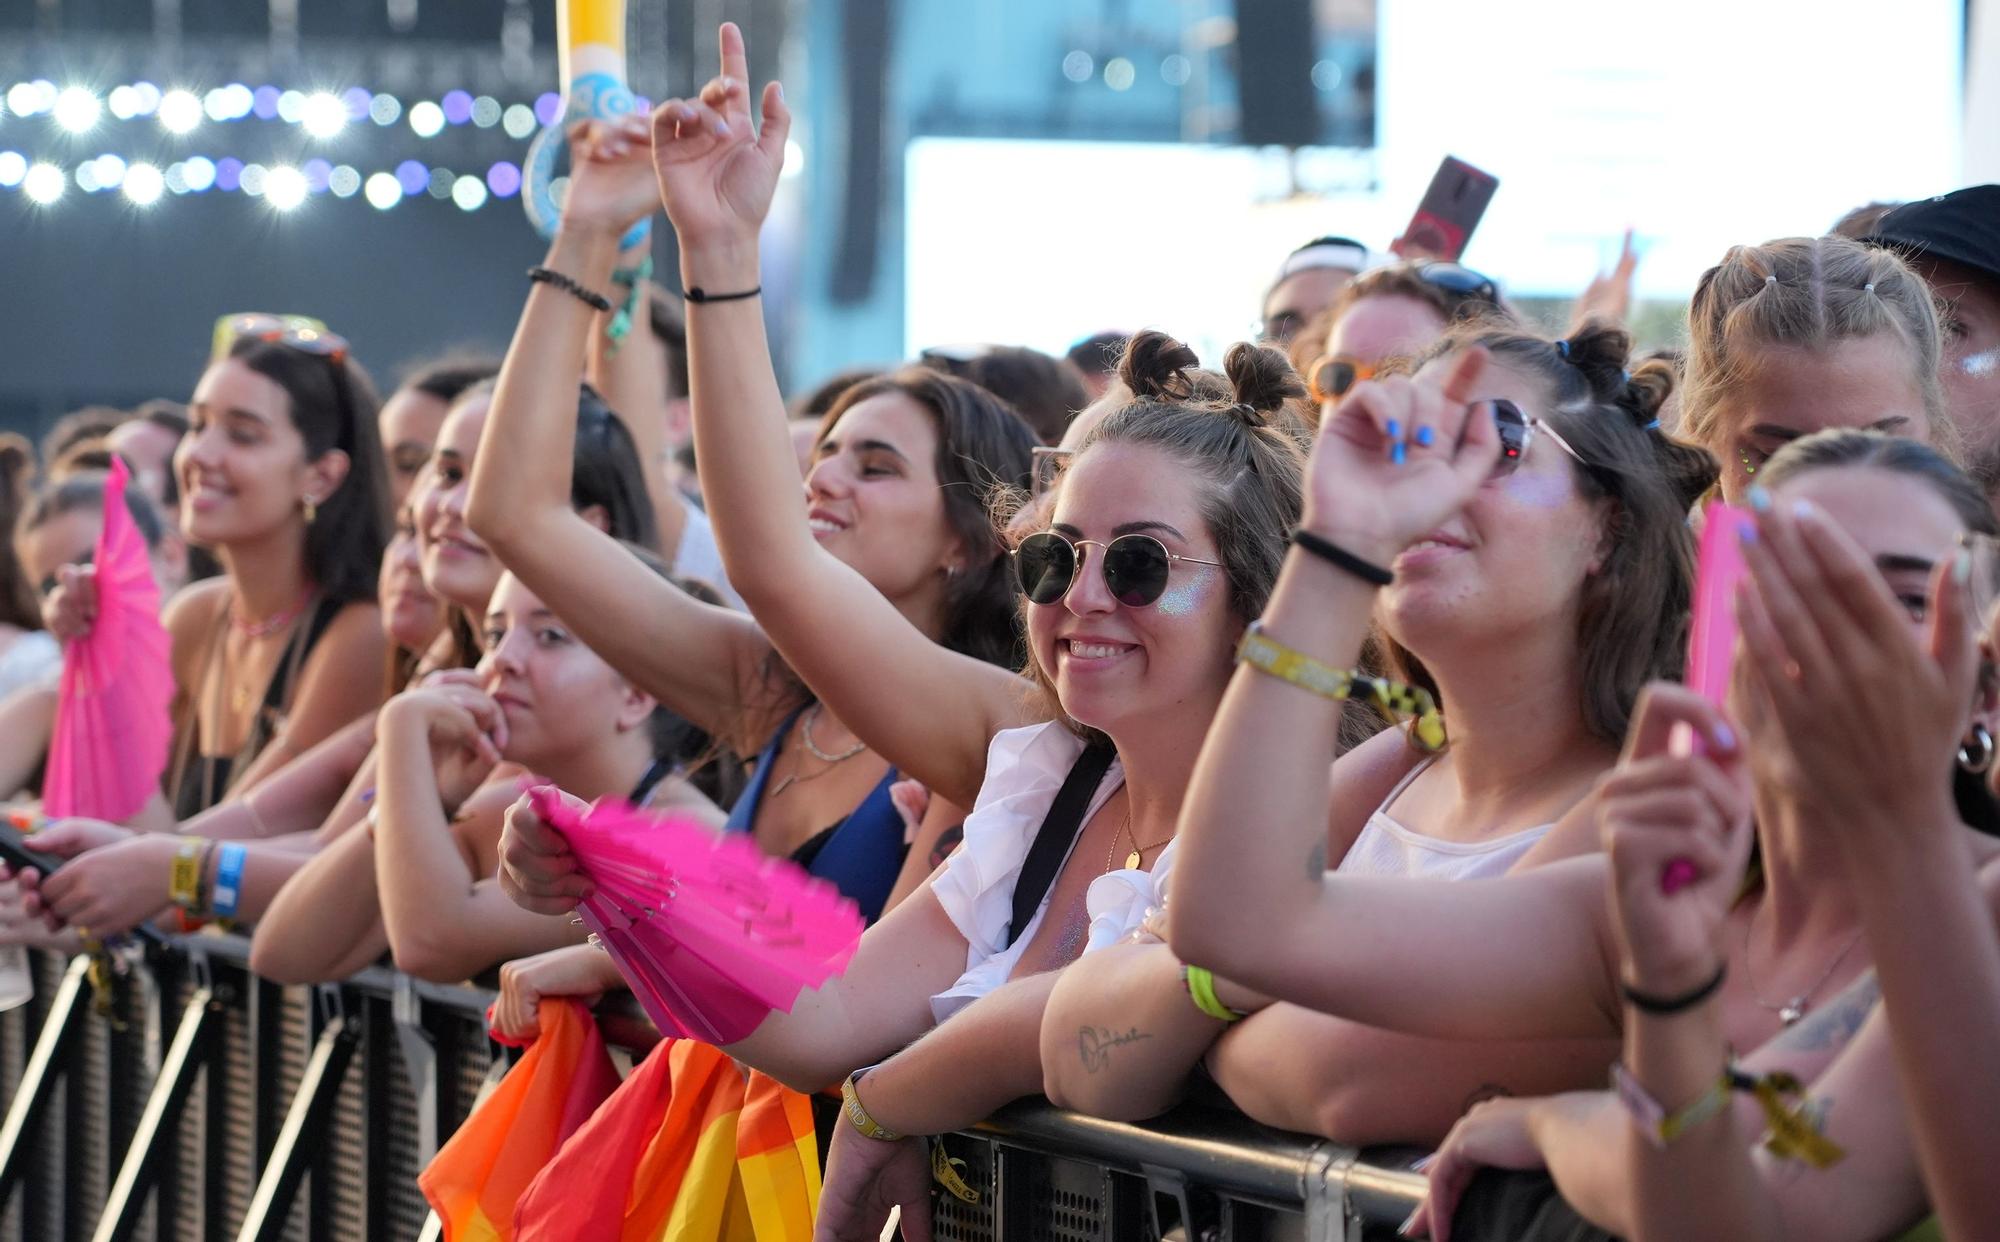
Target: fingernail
<point>781,91</point>
<point>721,128</point>
<point>1746,534</point>
<point>1961,566</point>
<point>1725,737</point>
<point>1425,435</point>
<point>1399,453</point>
<point>1760,500</point>
<point>1803,510</point>
<point>1404,1229</point>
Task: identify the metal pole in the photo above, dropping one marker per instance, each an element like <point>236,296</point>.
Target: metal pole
<point>158,1123</point>
<point>45,1069</point>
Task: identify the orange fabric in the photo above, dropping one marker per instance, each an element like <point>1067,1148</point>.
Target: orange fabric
<point>477,1178</point>
<point>777,1160</point>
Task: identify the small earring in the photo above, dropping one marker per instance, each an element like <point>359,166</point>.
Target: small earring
<point>1975,753</point>
<point>310,508</point>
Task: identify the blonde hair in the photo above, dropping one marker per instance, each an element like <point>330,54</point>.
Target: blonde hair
<point>1805,293</point>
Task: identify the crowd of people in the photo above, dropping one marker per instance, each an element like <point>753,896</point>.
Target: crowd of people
<point>1300,734</point>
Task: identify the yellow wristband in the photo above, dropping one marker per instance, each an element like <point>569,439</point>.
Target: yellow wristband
<point>850,1104</point>
<point>1200,984</point>
<point>1265,654</point>
<point>184,879</point>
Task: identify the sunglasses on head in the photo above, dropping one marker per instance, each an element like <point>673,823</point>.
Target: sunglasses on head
<point>1136,567</point>
<point>293,331</point>
<point>1457,279</point>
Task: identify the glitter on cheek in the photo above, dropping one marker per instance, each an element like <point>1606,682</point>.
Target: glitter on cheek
<point>1540,489</point>
<point>1185,597</point>
<point>1981,365</point>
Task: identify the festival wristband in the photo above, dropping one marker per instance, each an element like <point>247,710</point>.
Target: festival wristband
<point>1265,654</point>
<point>228,881</point>
<point>1200,984</point>
<point>851,1107</point>
<point>1653,1120</point>
<point>184,877</point>
<point>632,279</point>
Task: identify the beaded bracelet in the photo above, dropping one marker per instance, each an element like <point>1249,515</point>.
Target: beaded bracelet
<point>568,284</point>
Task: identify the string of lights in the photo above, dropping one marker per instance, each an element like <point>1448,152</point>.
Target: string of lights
<point>283,186</point>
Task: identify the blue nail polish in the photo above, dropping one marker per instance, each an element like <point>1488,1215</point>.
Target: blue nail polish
<point>1399,452</point>
<point>1760,500</point>
<point>1725,737</point>
<point>1746,534</point>
<point>1395,430</point>
<point>1425,435</point>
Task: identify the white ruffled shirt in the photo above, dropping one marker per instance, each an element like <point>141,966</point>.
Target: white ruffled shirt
<point>1025,768</point>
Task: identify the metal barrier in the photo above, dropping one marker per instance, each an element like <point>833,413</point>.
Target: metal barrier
<point>207,1103</point>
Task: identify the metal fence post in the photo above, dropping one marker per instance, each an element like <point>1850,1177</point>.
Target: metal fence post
<point>318,1088</point>
<point>158,1125</point>
<point>44,1071</point>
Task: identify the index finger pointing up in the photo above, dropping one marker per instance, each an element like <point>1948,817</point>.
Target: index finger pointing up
<point>735,61</point>
<point>1461,378</point>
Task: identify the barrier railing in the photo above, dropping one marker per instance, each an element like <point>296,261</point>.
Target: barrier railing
<point>206,1103</point>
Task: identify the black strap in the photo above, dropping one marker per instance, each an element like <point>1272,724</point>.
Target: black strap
<point>1057,834</point>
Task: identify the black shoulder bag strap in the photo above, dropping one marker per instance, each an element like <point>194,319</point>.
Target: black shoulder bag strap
<point>1057,834</point>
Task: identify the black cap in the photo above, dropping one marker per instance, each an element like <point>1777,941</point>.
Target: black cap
<point>1962,227</point>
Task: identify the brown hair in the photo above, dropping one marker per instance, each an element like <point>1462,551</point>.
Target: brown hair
<point>1632,613</point>
<point>1852,448</point>
<point>1805,293</point>
<point>18,605</point>
<point>983,448</point>
<point>1247,447</point>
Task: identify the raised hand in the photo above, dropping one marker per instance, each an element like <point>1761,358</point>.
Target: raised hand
<point>1608,298</point>
<point>1657,809</point>
<point>717,171</point>
<point>71,609</point>
<point>1821,634</point>
<point>611,181</point>
<point>1398,456</point>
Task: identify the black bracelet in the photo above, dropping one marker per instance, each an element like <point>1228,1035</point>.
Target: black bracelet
<point>1341,558</point>
<point>696,293</point>
<point>1661,1006</point>
<point>596,301</point>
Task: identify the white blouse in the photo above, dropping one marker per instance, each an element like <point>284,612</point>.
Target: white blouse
<point>1025,768</point>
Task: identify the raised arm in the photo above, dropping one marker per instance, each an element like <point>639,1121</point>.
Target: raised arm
<point>703,662</point>
<point>631,373</point>
<point>877,671</point>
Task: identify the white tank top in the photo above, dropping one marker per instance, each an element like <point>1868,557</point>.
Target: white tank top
<point>1385,847</point>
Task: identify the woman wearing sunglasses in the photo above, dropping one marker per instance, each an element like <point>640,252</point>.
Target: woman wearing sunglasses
<point>281,477</point>
<point>1535,955</point>
<point>1167,528</point>
<point>1566,571</point>
<point>1387,314</point>
<point>895,511</point>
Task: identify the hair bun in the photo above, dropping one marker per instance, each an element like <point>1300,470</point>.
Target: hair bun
<point>1263,379</point>
<point>1156,365</point>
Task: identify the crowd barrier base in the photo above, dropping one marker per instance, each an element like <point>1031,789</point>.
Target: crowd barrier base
<point>196,1102</point>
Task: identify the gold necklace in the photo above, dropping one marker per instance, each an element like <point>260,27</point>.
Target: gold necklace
<point>1139,852</point>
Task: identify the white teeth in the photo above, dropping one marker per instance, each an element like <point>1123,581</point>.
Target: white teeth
<point>822,526</point>
<point>1093,651</point>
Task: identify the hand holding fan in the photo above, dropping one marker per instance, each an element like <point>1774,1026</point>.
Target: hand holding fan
<point>1719,570</point>
<point>112,724</point>
<point>711,934</point>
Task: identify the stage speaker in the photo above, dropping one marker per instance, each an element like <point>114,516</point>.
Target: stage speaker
<point>1275,50</point>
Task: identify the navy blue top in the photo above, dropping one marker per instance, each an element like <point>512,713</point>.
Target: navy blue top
<point>861,855</point>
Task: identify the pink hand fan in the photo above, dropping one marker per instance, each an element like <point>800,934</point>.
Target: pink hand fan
<point>711,934</point>
<point>1719,569</point>
<point>112,711</point>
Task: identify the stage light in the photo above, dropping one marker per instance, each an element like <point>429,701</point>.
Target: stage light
<point>795,159</point>
<point>518,121</point>
<point>179,112</point>
<point>457,107</point>
<point>146,98</point>
<point>412,177</point>
<point>285,187</point>
<point>199,173</point>
<point>486,112</point>
<point>469,193</point>
<point>385,110</point>
<point>383,191</point>
<point>323,115</point>
<point>13,167</point>
<point>426,118</point>
<point>110,171</point>
<point>31,98</point>
<point>291,107</point>
<point>44,183</point>
<point>144,184</point>
<point>343,181</point>
<point>77,109</point>
<point>251,180</point>
<point>504,179</point>
<point>123,102</point>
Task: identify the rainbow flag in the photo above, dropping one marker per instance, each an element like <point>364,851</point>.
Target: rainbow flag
<point>478,1177</point>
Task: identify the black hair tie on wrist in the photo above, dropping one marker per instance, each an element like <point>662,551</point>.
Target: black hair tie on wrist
<point>698,294</point>
<point>1661,1006</point>
<point>1340,558</point>
<point>589,297</point>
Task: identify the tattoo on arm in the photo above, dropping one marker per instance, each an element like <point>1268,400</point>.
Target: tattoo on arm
<point>1316,862</point>
<point>947,841</point>
<point>1094,1045</point>
<point>1830,1028</point>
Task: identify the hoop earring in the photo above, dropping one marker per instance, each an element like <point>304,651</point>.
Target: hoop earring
<point>310,507</point>
<point>1975,753</point>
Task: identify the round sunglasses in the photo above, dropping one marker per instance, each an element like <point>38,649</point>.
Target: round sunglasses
<point>1330,376</point>
<point>1136,567</point>
<point>1517,432</point>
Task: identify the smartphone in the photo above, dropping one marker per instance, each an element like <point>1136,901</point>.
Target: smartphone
<point>1450,210</point>
<point>17,855</point>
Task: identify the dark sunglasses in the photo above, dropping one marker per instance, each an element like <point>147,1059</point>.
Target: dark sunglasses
<point>1136,567</point>
<point>1517,432</point>
<point>1462,281</point>
<point>1331,377</point>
